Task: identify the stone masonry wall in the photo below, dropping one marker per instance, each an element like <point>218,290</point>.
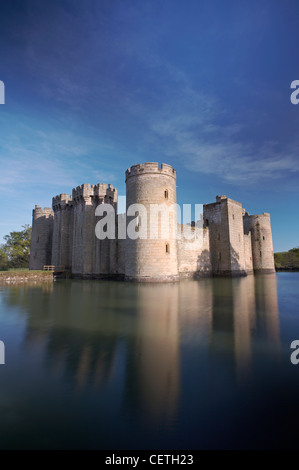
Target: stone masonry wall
<point>216,219</point>
<point>225,221</point>
<point>248,253</point>
<point>41,238</point>
<point>236,236</point>
<point>194,253</point>
<point>78,241</point>
<point>261,240</point>
<point>61,252</point>
<point>75,245</point>
<point>105,251</point>
<point>66,236</point>
<point>91,256</point>
<point>152,259</point>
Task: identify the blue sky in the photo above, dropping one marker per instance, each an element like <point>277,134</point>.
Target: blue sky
<point>95,86</point>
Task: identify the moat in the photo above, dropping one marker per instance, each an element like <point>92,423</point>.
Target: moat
<point>114,365</point>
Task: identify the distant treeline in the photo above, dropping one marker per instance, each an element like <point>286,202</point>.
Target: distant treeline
<point>287,260</point>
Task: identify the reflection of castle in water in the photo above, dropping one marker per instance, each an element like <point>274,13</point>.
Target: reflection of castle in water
<point>133,336</point>
<point>245,315</point>
<point>153,370</point>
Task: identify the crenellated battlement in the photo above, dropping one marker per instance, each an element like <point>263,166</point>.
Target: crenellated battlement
<point>257,216</point>
<point>61,201</point>
<point>111,190</point>
<point>150,168</point>
<point>83,191</point>
<point>100,189</point>
<point>41,212</point>
<point>96,191</point>
<point>222,199</point>
<point>103,191</point>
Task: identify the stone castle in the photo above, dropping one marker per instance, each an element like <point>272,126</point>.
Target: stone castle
<point>230,242</point>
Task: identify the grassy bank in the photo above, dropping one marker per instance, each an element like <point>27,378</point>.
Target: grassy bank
<point>287,260</point>
<point>23,275</point>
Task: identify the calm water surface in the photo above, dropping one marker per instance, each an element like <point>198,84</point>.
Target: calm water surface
<point>111,365</point>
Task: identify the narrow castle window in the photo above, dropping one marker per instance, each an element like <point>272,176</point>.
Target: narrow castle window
<point>263,238</point>
<point>260,254</point>
<point>167,248</point>
<point>239,237</point>
<point>233,217</point>
<point>166,193</point>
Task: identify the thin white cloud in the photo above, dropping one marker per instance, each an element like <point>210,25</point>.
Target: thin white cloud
<point>176,118</point>
<point>238,162</point>
<point>189,129</point>
<point>32,158</point>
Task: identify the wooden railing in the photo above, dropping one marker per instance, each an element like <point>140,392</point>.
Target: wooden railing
<point>54,268</point>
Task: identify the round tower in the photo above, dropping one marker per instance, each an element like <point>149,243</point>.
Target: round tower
<point>261,240</point>
<point>41,238</point>
<point>151,249</point>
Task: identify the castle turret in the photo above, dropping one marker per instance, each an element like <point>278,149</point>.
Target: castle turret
<point>261,240</point>
<point>41,237</point>
<point>104,250</point>
<point>152,255</point>
<point>225,221</point>
<point>90,255</point>
<point>63,231</point>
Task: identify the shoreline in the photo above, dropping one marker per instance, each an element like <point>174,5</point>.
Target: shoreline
<point>48,276</point>
<point>286,270</point>
<point>25,276</point>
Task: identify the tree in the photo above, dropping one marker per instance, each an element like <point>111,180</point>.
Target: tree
<point>3,259</point>
<point>17,248</point>
<point>294,250</point>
